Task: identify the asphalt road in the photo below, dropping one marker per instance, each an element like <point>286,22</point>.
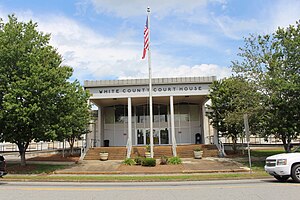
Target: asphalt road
<point>215,190</point>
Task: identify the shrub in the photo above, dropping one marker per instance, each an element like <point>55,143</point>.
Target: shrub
<point>128,161</point>
<point>174,160</point>
<point>138,160</point>
<point>198,149</point>
<point>149,162</point>
<point>163,160</point>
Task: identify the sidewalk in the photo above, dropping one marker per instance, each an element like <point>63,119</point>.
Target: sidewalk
<point>189,165</point>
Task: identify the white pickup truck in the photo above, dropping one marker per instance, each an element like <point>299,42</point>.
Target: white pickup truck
<point>283,166</point>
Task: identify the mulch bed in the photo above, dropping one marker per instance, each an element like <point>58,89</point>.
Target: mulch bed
<point>16,168</point>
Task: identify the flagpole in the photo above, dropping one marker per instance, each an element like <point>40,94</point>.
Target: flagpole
<point>150,88</point>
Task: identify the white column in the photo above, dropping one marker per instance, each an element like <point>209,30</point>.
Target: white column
<point>205,123</point>
<point>99,126</point>
<point>129,140</point>
<point>173,126</point>
<point>88,136</point>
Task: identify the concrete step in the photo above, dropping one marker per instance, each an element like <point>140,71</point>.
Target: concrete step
<point>114,153</point>
<point>183,151</point>
<point>158,151</point>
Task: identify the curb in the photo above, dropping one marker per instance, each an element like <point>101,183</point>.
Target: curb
<point>158,173</point>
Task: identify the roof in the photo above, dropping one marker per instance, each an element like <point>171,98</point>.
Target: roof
<point>155,81</point>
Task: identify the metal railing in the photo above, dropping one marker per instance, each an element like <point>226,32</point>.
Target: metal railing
<point>40,146</point>
<point>253,140</point>
<point>95,143</point>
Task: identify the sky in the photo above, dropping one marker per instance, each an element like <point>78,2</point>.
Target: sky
<point>103,39</point>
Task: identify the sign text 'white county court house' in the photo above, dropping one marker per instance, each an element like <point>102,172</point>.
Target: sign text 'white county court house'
<point>157,90</point>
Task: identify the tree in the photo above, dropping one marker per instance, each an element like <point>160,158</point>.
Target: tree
<point>272,63</point>
<point>33,84</point>
<point>75,114</point>
<point>231,98</point>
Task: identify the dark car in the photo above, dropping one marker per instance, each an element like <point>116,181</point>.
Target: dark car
<point>2,166</point>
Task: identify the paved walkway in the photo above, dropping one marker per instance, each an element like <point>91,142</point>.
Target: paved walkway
<point>189,165</point>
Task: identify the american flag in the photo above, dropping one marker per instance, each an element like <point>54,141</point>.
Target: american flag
<point>146,39</point>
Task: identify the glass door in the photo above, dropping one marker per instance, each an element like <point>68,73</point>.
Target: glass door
<point>143,136</point>
<point>147,133</point>
<point>164,136</point>
<point>156,136</point>
<point>160,136</point>
<point>140,136</point>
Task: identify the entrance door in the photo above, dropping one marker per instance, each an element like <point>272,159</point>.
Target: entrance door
<point>143,136</point>
<point>140,136</point>
<point>156,136</point>
<point>160,136</point>
<point>164,136</point>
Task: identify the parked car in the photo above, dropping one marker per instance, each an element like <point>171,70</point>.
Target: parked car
<point>283,166</point>
<point>2,166</point>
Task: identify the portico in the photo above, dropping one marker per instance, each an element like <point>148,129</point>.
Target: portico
<point>123,111</point>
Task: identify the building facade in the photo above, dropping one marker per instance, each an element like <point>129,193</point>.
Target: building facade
<point>122,117</point>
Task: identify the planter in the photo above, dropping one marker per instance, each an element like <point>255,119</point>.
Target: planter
<point>198,154</point>
<point>103,156</point>
<point>147,154</point>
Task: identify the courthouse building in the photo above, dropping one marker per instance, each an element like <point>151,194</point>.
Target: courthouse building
<point>122,117</point>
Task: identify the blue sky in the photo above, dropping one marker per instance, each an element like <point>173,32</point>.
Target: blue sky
<point>103,39</point>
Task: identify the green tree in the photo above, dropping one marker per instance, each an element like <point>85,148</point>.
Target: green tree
<point>75,114</point>
<point>272,63</point>
<point>231,98</point>
<point>33,84</point>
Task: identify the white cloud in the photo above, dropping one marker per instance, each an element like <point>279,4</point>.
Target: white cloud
<point>95,56</point>
<point>160,8</point>
<point>279,13</point>
<point>184,71</point>
<point>137,7</point>
<point>283,14</point>
<point>196,70</point>
<point>91,54</point>
<point>236,28</point>
<point>189,37</point>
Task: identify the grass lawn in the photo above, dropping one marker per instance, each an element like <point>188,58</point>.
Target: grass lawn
<point>265,152</point>
<point>136,178</point>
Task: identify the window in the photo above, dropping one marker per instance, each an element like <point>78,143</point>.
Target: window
<point>181,112</point>
<point>121,115</point>
<point>194,112</point>
<point>160,113</point>
<point>109,115</point>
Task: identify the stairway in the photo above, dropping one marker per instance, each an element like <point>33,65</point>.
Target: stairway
<point>187,151</point>
<point>114,153</point>
<point>183,151</point>
<point>211,150</point>
<point>158,151</point>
